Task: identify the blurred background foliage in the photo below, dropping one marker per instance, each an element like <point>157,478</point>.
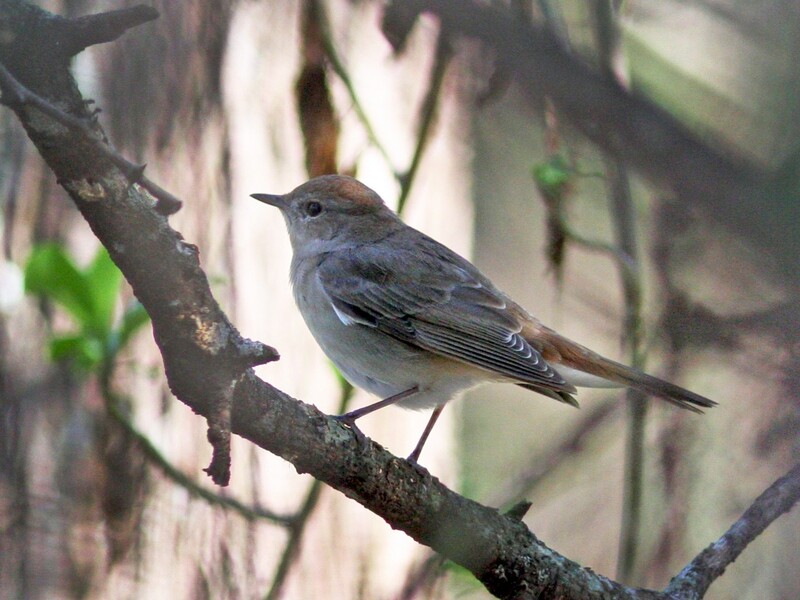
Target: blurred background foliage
<point>90,296</point>
<point>101,489</point>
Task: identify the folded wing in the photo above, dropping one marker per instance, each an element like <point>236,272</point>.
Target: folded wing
<point>439,302</point>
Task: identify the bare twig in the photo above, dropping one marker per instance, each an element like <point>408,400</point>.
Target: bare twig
<point>570,445</point>
<point>298,523</point>
<point>154,457</point>
<point>427,116</point>
<point>427,110</point>
<point>695,579</point>
<point>623,260</point>
<point>422,577</point>
<point>341,72</point>
<point>15,94</point>
<point>623,217</point>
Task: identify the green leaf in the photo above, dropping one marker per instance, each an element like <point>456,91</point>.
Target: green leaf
<point>87,352</point>
<point>90,296</point>
<point>553,176</point>
<point>64,347</point>
<point>51,273</point>
<point>103,279</point>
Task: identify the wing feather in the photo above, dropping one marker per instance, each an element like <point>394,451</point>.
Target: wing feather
<point>434,299</point>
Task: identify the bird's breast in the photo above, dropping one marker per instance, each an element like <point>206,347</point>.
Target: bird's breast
<point>373,360</point>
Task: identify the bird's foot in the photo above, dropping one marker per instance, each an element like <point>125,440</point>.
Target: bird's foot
<point>413,459</point>
<point>349,421</point>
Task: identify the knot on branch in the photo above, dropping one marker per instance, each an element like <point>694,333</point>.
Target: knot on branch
<point>254,353</point>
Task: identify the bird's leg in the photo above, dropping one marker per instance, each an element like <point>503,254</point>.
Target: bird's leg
<point>414,456</point>
<point>350,418</point>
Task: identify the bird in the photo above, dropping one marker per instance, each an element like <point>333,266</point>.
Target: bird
<point>414,323</point>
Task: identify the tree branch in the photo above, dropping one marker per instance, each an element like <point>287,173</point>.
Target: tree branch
<point>82,32</point>
<point>694,580</point>
<point>16,95</point>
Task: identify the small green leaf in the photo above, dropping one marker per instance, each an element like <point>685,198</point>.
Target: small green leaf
<point>553,176</point>
<point>51,273</point>
<point>103,279</point>
<point>64,347</point>
<point>86,352</point>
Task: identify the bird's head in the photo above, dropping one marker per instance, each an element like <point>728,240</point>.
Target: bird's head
<point>332,212</point>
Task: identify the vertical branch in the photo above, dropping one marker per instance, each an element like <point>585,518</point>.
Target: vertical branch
<point>622,214</point>
<point>623,218</point>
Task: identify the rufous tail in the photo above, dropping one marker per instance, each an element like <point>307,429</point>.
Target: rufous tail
<point>559,350</point>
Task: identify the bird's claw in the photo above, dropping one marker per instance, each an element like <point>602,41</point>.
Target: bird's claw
<point>350,423</point>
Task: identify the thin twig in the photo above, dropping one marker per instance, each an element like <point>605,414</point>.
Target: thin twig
<point>623,260</point>
<point>543,465</point>
<point>298,523</point>
<point>624,219</point>
<point>154,457</point>
<point>15,94</point>
<point>427,114</point>
<point>341,72</point>
<point>422,577</point>
<point>694,580</point>
<point>623,216</point>
<point>292,549</point>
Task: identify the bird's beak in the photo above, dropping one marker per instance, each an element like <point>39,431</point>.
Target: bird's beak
<point>271,199</point>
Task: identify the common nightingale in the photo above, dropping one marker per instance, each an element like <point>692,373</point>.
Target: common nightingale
<point>410,321</point>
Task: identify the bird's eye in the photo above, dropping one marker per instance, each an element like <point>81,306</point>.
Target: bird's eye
<point>312,209</point>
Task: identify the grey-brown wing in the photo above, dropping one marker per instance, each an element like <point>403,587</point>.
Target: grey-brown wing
<point>436,300</point>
